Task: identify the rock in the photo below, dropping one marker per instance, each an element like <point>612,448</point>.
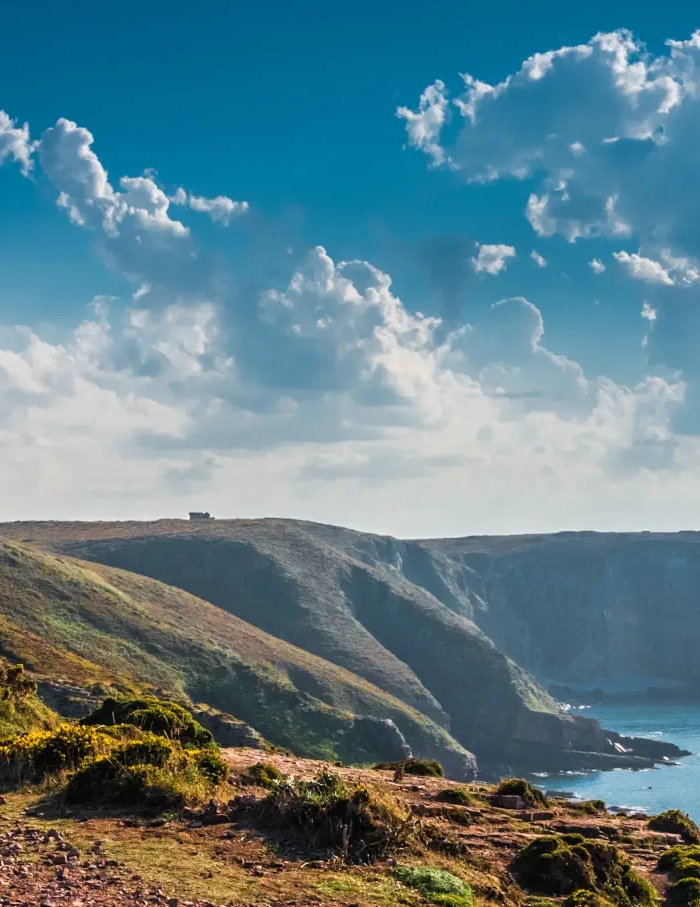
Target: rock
<point>509,801</point>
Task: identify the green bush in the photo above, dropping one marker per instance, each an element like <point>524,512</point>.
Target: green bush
<point>588,807</point>
<point>436,885</point>
<point>152,773</point>
<point>676,860</point>
<point>262,774</point>
<point>14,683</point>
<point>519,787</point>
<point>328,814</point>
<point>685,893</point>
<point>428,768</point>
<point>673,821</point>
<point>561,865</point>
<point>158,716</point>
<point>456,795</point>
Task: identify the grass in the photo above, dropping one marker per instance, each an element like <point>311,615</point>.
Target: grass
<point>437,886</point>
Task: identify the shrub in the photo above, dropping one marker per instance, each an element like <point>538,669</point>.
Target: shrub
<point>151,773</point>
<point>673,821</point>
<point>263,774</point>
<point>519,787</point>
<point>14,683</point>
<point>556,865</point>
<point>588,807</point>
<point>35,756</point>
<point>456,795</point>
<point>106,781</point>
<point>436,885</point>
<point>328,814</point>
<point>685,893</point>
<point>428,768</point>
<point>158,716</point>
<point>677,860</point>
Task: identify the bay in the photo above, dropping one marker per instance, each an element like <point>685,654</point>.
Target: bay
<point>653,790</point>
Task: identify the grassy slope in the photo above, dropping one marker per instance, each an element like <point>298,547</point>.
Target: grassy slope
<point>90,624</point>
<point>342,595</point>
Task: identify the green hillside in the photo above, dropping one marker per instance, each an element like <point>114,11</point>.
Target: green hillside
<point>107,630</point>
<point>347,597</point>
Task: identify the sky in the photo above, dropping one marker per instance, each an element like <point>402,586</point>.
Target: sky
<point>418,271</point>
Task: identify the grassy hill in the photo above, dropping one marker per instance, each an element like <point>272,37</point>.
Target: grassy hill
<point>395,613</point>
<point>107,630</point>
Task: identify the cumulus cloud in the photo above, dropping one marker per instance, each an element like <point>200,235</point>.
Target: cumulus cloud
<point>311,385</point>
<point>596,265</point>
<point>605,132</point>
<point>221,209</point>
<point>492,259</point>
<point>15,143</point>
<point>538,259</point>
<point>645,269</point>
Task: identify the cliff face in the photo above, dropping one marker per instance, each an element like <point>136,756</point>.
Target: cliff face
<point>583,607</point>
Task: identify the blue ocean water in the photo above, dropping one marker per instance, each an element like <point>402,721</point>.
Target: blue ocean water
<point>667,787</point>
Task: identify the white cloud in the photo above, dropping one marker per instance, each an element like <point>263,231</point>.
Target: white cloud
<point>493,259</point>
<point>596,265</point>
<point>15,143</point>
<point>321,395</point>
<point>645,269</point>
<point>425,125</point>
<point>538,259</point>
<point>221,209</point>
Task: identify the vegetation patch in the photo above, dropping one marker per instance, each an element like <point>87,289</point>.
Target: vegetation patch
<point>428,768</point>
<point>588,807</point>
<point>35,756</point>
<point>161,717</point>
<point>585,898</point>
<point>519,787</point>
<point>685,893</point>
<point>436,885</point>
<point>262,774</point>
<point>329,815</point>
<point>676,822</point>
<point>21,710</point>
<point>679,861</point>
<point>455,795</point>
<point>563,865</point>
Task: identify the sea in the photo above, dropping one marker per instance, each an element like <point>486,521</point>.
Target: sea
<point>650,790</point>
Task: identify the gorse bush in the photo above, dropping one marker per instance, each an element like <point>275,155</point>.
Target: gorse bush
<point>563,865</point>
<point>32,757</point>
<point>673,821</point>
<point>519,787</point>
<point>436,885</point>
<point>328,814</point>
<point>161,717</point>
<point>150,761</point>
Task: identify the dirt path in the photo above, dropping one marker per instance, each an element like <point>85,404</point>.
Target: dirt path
<point>40,869</point>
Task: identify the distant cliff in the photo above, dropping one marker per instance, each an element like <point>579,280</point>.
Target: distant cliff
<point>456,629</point>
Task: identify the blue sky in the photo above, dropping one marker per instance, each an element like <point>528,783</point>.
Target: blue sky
<point>267,260</point>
